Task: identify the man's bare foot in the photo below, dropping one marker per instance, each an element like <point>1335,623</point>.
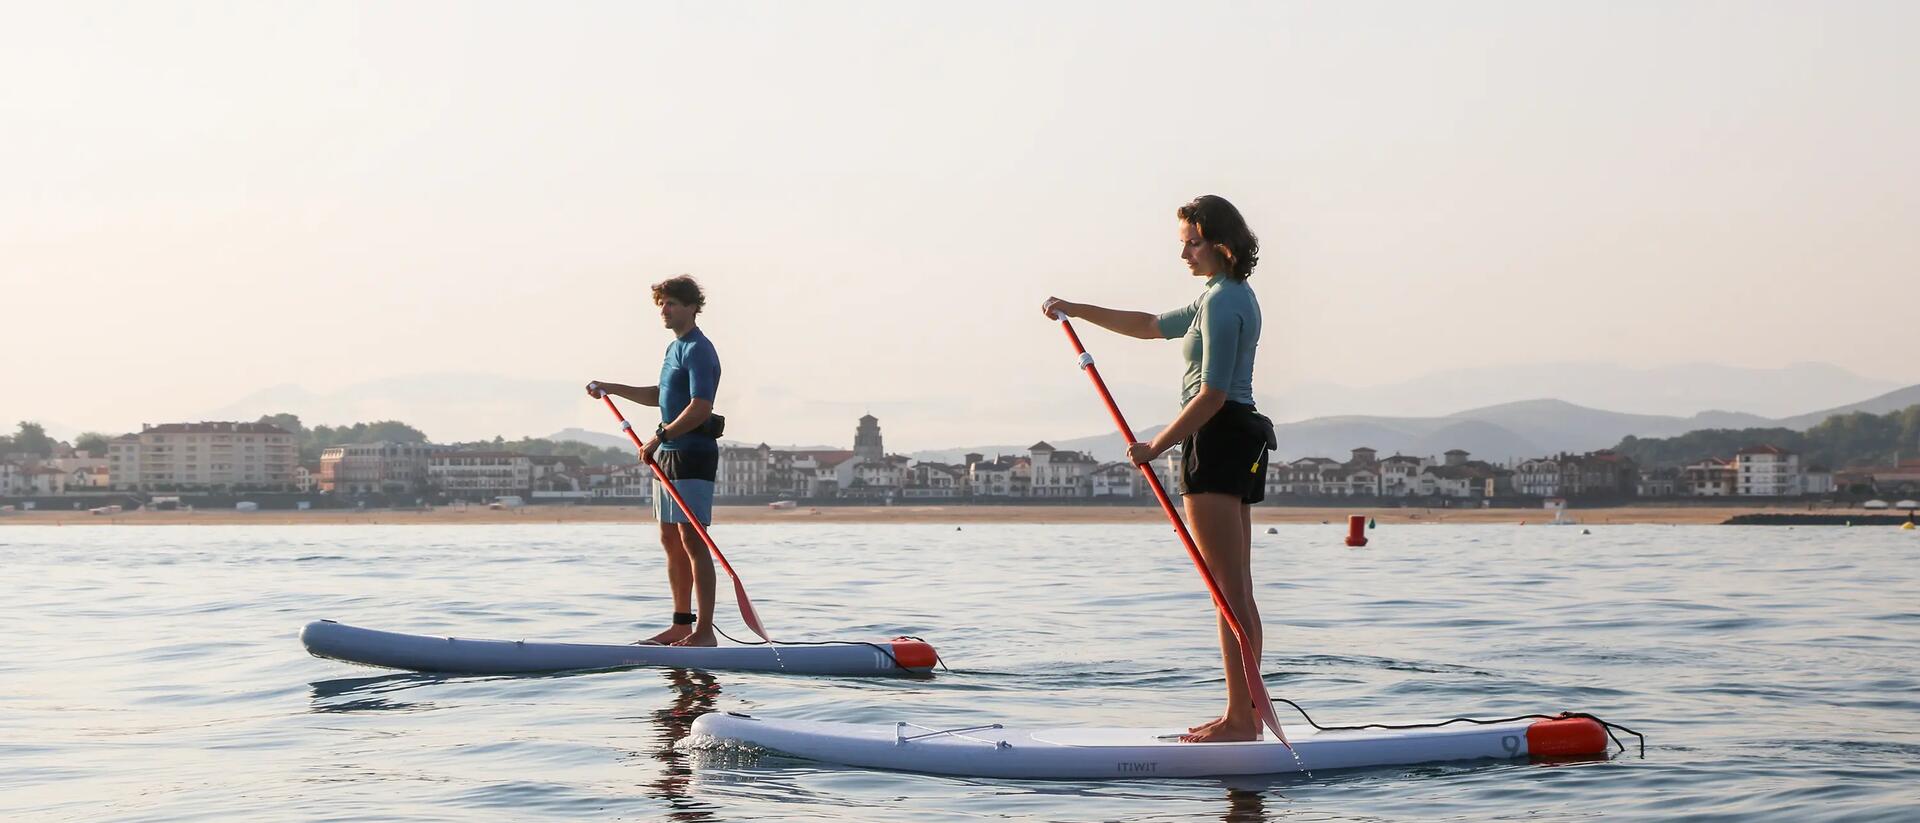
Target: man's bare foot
<point>1235,731</point>
<point>1207,725</point>
<point>704,638</point>
<point>669,636</point>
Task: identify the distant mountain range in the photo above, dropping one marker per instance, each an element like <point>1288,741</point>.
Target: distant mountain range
<point>1528,428</point>
<point>1665,390</point>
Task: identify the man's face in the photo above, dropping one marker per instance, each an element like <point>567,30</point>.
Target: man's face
<point>675,314</point>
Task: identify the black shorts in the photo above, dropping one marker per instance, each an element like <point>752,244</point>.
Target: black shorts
<point>1228,455</point>
<point>689,464</point>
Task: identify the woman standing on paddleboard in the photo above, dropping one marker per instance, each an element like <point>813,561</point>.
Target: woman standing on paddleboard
<point>1223,440</point>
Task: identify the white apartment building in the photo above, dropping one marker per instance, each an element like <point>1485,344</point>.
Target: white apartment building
<point>1711,477</point>
<point>634,482</point>
<point>480,476</point>
<point>1059,473</point>
<point>1540,477</point>
<point>1120,479</point>
<point>934,480</point>
<point>1767,471</point>
<point>43,480</point>
<point>993,479</point>
<point>202,457</point>
<point>375,468</point>
<point>743,471</point>
<point>1400,475</point>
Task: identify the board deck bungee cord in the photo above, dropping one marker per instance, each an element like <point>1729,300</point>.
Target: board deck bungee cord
<point>899,657</point>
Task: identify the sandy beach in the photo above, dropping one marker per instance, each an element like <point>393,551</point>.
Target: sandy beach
<point>454,515</point>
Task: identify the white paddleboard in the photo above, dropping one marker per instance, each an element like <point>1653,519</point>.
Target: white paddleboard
<point>453,655</point>
<point>1105,753</point>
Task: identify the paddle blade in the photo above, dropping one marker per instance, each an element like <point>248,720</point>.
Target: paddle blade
<point>747,614</point>
<point>1261,702</point>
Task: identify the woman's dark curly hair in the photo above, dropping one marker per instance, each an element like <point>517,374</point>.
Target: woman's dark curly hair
<point>1220,223</point>
<point>681,288</point>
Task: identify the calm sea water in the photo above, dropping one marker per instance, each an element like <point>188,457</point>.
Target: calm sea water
<point>153,673</point>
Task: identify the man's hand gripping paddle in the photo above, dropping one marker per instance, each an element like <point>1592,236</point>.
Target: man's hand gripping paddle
<point>1249,661</point>
<point>739,591</point>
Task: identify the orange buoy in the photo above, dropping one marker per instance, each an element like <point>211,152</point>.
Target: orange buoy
<point>1357,530</point>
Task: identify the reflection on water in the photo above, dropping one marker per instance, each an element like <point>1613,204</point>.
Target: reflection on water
<point>1244,806</point>
<point>363,694</point>
<point>693,695</point>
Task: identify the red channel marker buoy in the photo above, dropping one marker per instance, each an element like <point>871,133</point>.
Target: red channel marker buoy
<point>1357,530</point>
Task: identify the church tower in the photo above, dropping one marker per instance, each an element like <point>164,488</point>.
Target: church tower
<point>866,439</point>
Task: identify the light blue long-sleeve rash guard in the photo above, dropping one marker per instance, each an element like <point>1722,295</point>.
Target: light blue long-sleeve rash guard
<point>1222,329</point>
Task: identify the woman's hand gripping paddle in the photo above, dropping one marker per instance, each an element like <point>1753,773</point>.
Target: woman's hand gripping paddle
<point>739,591</point>
<point>1256,687</point>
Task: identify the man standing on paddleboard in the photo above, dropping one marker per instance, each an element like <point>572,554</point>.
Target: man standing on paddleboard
<point>1223,440</point>
<point>688,453</point>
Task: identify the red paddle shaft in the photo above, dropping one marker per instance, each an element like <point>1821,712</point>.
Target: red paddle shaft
<point>1256,687</point>
<point>739,590</point>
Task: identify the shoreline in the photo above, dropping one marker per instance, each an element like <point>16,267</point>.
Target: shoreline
<point>903,514</point>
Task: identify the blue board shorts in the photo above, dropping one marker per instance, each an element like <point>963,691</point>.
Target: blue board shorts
<point>692,473</point>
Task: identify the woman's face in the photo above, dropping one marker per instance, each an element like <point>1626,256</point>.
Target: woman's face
<point>1203,258</point>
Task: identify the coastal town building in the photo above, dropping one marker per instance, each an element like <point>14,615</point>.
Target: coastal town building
<point>1600,473</point>
<point>376,468</point>
<point>306,477</point>
<point>44,480</point>
<point>1117,479</point>
<point>89,478</point>
<point>1059,473</point>
<point>874,478</point>
<point>207,456</point>
<point>929,480</point>
<point>1539,477</point>
<point>558,477</point>
<point>480,476</point>
<point>806,473</point>
<point>1660,483</point>
<point>990,478</point>
<point>1816,480</point>
<point>1902,478</point>
<point>1712,477</point>
<point>1767,471</point>
<point>743,471</point>
<point>1399,473</point>
<point>631,483</point>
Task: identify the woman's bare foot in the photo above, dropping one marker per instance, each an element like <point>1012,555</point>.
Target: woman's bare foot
<point>1226,731</point>
<point>668,636</point>
<point>698,638</point>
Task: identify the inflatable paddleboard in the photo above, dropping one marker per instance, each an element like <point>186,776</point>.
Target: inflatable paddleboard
<point>1104,753</point>
<point>900,656</point>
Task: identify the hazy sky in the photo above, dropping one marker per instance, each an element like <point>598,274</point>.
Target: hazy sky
<point>199,201</point>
